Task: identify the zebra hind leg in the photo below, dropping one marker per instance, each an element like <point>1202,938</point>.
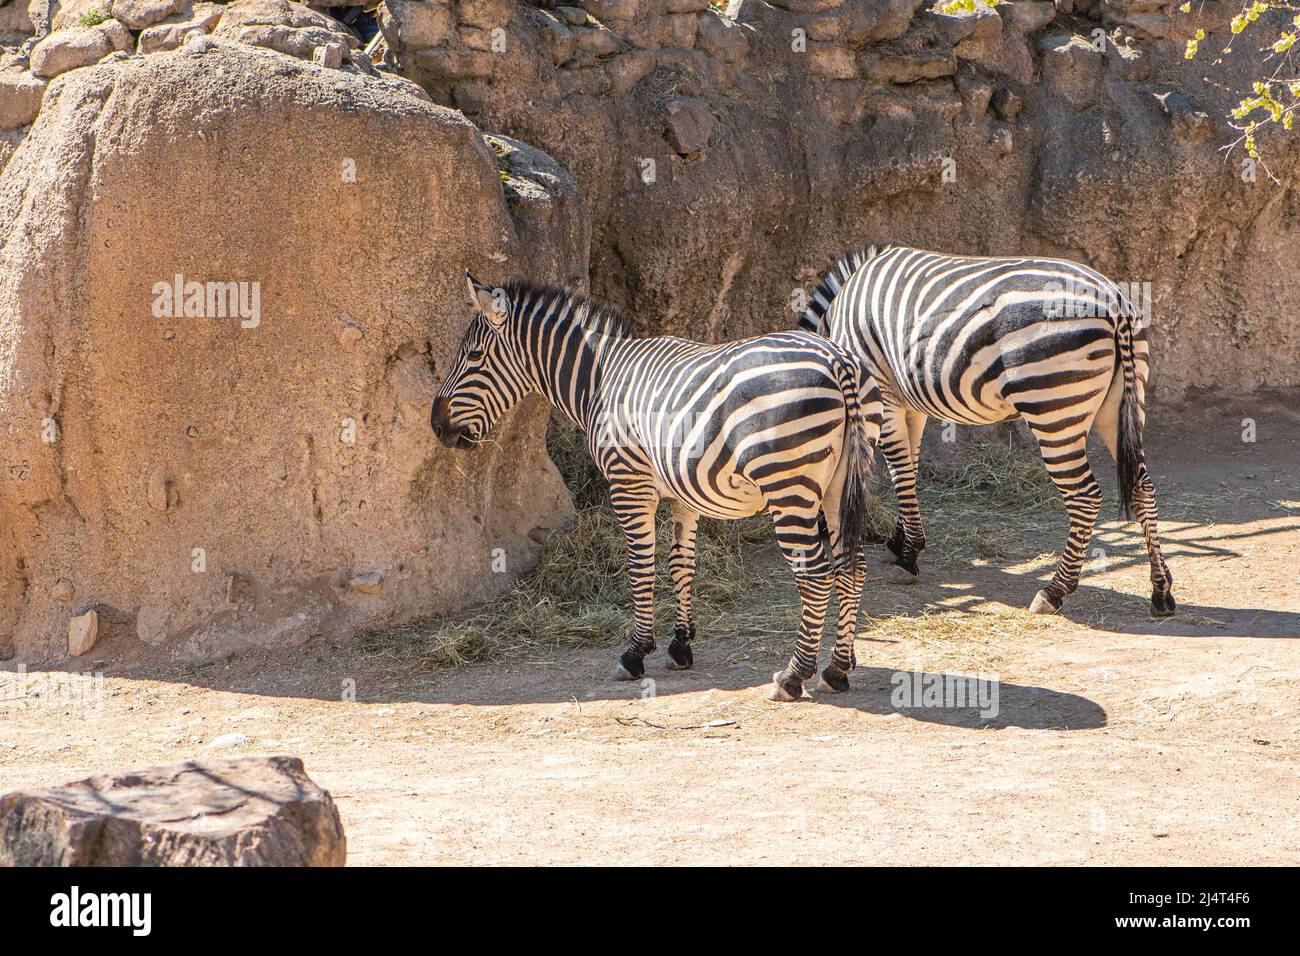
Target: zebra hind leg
<point>681,564</point>
<point>1162,582</point>
<point>1067,466</point>
<point>798,536</point>
<point>635,509</point>
<point>849,578</point>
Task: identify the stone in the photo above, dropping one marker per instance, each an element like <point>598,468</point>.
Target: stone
<point>976,92</point>
<point>242,811</point>
<point>1007,104</point>
<point>83,631</point>
<point>228,741</point>
<point>982,23</point>
<point>573,16</point>
<point>274,393</point>
<point>612,11</point>
<point>78,46</point>
<point>368,582</point>
<point>689,123</point>
<point>67,15</point>
<point>1025,17</point>
<point>162,494</point>
<point>597,41</point>
<point>1190,123</point>
<point>563,41</point>
<point>329,55</point>
<point>722,38</point>
<point>1071,70</point>
<point>282,25</point>
<point>672,30</point>
<point>1001,55</point>
<point>626,70</point>
<point>171,33</point>
<point>868,21</point>
<point>138,14</point>
<point>685,6</point>
<point>887,68</point>
<point>484,14</point>
<point>349,334</point>
<point>830,61</point>
<point>15,20</point>
<point>410,25</point>
<point>21,93</point>
<point>63,591</point>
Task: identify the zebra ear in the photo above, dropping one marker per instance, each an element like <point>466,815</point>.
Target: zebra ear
<point>489,300</point>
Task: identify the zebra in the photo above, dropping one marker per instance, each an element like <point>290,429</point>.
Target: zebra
<point>785,423</point>
<point>978,340</point>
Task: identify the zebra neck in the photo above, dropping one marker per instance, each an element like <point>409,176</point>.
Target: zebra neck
<point>566,361</point>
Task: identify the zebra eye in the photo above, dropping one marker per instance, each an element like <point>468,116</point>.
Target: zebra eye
<point>474,355</point>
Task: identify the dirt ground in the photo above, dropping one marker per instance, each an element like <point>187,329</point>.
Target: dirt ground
<point>1116,739</point>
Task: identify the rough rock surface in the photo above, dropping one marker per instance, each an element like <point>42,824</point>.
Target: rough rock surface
<point>215,479</point>
<point>20,97</point>
<point>844,140</point>
<point>246,811</point>
<point>79,46</point>
<point>170,33</point>
<point>282,25</point>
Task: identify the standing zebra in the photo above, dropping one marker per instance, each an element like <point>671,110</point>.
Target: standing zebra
<point>784,423</point>
<point>979,340</point>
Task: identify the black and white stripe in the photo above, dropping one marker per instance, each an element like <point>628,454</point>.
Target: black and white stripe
<point>977,340</point>
<point>784,423</point>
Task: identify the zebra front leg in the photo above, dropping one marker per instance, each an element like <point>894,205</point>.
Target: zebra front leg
<point>635,509</point>
<point>1069,470</point>
<point>800,541</point>
<point>681,564</point>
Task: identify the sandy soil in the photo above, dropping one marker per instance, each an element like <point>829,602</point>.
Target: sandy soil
<point>1118,739</point>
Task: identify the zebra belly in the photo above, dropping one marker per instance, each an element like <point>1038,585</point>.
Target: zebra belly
<point>733,498</point>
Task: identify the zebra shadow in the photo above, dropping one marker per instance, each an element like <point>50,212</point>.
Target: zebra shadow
<point>973,701</point>
<point>952,583</point>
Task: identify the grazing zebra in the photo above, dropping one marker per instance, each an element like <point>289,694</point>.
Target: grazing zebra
<point>979,340</point>
<point>785,423</point>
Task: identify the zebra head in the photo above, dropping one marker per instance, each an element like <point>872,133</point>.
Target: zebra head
<point>486,378</point>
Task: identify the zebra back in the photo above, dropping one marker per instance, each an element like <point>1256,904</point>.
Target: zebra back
<point>833,280</point>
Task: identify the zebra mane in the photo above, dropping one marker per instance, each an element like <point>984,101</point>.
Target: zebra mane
<point>539,299</point>
<point>833,279</point>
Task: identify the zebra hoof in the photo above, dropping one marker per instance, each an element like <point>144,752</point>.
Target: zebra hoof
<point>900,575</point>
<point>784,689</point>
<point>1162,604</point>
<point>833,681</point>
<point>680,657</point>
<point>1045,603</point>
<point>629,667</point>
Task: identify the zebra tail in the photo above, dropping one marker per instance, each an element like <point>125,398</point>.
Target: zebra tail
<point>1129,455</point>
<point>859,460</point>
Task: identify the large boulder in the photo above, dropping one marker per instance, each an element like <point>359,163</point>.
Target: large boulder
<point>282,25</point>
<point>79,46</point>
<point>217,359</point>
<point>245,811</point>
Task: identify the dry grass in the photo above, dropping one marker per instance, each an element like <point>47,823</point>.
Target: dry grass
<point>577,595</point>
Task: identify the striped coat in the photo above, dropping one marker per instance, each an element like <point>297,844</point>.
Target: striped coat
<point>785,424</point>
<point>977,340</point>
